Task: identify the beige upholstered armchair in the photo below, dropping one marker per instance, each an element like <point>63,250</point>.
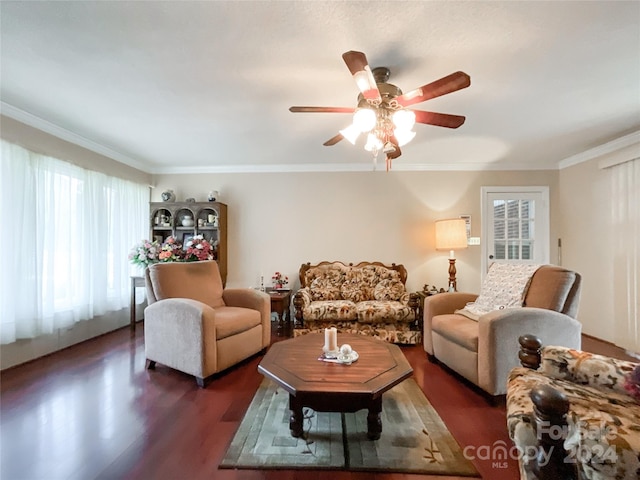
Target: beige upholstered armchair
<point>485,350</point>
<point>194,325</point>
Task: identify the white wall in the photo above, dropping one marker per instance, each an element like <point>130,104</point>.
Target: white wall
<point>587,245</point>
<point>277,221</point>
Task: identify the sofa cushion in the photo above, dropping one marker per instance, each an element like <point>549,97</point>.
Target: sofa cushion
<point>326,287</point>
<point>458,329</point>
<point>383,311</point>
<point>603,427</point>
<point>388,289</point>
<point>353,290</point>
<point>549,288</point>
<point>233,320</point>
<point>330,310</point>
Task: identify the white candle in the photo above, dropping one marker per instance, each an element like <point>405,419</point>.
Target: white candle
<point>331,339</point>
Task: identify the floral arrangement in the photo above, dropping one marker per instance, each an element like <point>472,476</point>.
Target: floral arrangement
<point>170,251</point>
<point>279,280</point>
<point>145,253</point>
<point>148,252</point>
<point>198,248</point>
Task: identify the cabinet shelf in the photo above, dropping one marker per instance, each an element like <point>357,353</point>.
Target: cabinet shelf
<point>203,212</point>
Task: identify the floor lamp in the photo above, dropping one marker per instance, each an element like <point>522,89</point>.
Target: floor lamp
<point>451,234</point>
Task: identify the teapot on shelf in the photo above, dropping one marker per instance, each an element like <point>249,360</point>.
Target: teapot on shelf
<point>187,221</point>
<point>168,196</point>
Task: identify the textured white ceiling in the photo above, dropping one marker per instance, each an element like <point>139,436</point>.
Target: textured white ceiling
<point>179,86</point>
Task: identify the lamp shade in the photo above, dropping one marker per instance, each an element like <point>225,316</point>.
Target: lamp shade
<point>451,234</point>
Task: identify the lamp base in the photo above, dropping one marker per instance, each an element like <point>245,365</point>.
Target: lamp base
<point>453,285</point>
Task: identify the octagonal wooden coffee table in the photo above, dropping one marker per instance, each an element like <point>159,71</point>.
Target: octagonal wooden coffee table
<point>333,387</point>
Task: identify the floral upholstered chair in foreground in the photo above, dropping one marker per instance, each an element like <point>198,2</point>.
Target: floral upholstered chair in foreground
<point>484,349</point>
<point>581,410</point>
<point>194,325</point>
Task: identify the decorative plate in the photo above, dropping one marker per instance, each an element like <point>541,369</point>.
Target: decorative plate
<point>348,359</point>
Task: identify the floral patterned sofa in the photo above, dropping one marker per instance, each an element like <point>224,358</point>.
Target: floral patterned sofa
<point>369,298</point>
<point>583,409</point>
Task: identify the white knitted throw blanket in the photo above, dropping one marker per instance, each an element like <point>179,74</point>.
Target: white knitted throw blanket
<point>505,286</point>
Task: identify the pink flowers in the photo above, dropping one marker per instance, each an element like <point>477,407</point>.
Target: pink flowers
<point>171,250</point>
<point>198,248</point>
<point>279,280</point>
<point>145,253</point>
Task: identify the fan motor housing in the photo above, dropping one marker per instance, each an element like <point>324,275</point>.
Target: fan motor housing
<point>388,91</point>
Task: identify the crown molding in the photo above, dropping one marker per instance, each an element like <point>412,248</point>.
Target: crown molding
<point>600,150</point>
<point>67,135</point>
<point>348,167</point>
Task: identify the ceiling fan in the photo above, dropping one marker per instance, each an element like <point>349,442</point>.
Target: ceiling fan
<point>382,111</point>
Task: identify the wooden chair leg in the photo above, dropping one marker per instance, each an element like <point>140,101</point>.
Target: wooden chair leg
<point>151,364</point>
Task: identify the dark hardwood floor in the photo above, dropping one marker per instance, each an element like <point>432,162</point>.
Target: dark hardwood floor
<point>92,411</point>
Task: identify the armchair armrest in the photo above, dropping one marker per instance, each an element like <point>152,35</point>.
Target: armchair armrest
<point>441,304</point>
<point>301,299</point>
<point>498,334</point>
<point>255,300</point>
<point>247,298</point>
<point>187,323</point>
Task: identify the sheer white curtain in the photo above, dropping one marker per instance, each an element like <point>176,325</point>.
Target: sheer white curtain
<point>66,234</point>
<point>625,189</point>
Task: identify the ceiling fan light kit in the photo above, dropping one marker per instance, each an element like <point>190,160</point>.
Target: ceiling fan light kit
<point>381,112</point>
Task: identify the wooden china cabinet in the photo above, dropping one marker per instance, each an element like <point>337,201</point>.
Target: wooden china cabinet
<point>183,220</point>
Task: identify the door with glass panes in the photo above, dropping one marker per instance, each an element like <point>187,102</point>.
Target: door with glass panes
<point>515,225</point>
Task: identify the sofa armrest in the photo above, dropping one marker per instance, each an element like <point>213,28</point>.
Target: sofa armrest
<point>441,304</point>
<point>186,323</point>
<point>604,373</point>
<point>255,300</point>
<point>301,299</point>
<point>498,334</point>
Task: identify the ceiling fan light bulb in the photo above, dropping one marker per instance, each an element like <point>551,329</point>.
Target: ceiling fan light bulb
<point>403,136</point>
<point>350,133</point>
<point>404,119</point>
<point>373,143</point>
<point>364,119</point>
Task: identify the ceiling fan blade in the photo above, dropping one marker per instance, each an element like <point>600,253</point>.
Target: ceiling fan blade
<point>333,140</point>
<point>451,83</point>
<point>359,68</point>
<point>322,109</point>
<point>439,119</point>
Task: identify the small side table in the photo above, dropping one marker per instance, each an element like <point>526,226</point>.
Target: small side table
<point>135,282</point>
<point>422,295</point>
<point>280,304</point>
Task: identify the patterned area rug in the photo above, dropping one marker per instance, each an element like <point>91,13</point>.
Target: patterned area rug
<point>414,438</point>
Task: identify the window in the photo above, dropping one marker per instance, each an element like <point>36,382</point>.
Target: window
<point>66,243</point>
